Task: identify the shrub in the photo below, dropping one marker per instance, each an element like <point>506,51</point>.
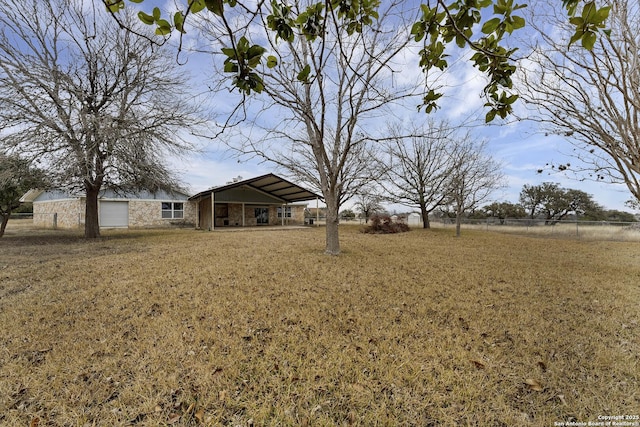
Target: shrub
<point>382,224</point>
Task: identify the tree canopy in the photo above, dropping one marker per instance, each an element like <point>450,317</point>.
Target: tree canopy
<point>438,24</point>
<point>554,202</point>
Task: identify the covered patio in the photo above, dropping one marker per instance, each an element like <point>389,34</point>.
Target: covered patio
<point>261,201</point>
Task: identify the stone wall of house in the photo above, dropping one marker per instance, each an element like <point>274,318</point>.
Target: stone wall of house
<point>297,215</point>
<point>190,212</point>
<point>233,212</point>
<point>142,213</point>
<point>273,216</point>
<point>59,213</point>
<point>148,213</point>
<point>235,215</point>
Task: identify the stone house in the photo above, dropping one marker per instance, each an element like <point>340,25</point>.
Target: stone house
<point>264,200</point>
<point>59,209</point>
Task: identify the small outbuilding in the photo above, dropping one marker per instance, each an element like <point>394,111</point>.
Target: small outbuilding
<point>414,219</point>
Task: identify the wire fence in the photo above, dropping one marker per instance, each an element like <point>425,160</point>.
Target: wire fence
<point>576,229</point>
<point>16,216</point>
<point>47,220</point>
<point>589,230</point>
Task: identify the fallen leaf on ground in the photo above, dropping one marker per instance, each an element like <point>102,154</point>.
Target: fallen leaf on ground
<point>533,384</point>
<point>190,408</point>
<point>173,418</point>
<point>478,364</point>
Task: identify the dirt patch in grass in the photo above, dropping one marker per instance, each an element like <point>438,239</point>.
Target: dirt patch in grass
<point>180,327</point>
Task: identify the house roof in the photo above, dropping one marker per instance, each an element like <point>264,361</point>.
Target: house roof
<point>37,195</point>
<point>270,184</point>
<point>31,195</point>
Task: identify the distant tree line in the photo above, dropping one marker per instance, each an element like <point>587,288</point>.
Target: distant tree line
<point>548,201</point>
<point>552,203</point>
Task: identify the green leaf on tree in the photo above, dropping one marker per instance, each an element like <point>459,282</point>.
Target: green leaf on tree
<point>230,52</point>
<point>178,21</point>
<point>147,19</point>
<point>588,40</point>
<point>215,6</point>
<point>518,22</point>
<point>115,6</point>
<point>163,29</point>
<point>303,75</point>
<point>230,67</point>
<point>491,25</point>
<point>196,6</point>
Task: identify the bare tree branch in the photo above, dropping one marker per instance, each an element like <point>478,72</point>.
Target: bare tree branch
<point>590,97</point>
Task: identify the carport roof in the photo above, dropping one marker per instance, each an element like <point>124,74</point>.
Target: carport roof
<point>270,184</point>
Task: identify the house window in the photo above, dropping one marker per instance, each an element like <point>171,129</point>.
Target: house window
<point>287,212</point>
<point>171,210</point>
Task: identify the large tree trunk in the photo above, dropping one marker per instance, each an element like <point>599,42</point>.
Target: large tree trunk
<point>333,240</point>
<point>91,222</point>
<point>3,225</point>
<point>458,221</point>
<point>425,217</point>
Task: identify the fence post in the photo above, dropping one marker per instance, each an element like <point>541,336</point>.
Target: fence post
<point>55,220</point>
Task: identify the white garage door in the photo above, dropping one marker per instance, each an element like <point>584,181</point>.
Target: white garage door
<point>114,214</point>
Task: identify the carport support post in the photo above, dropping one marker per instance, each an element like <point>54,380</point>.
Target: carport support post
<point>243,214</point>
<point>213,212</point>
<point>198,214</point>
<point>282,213</point>
<point>317,213</point>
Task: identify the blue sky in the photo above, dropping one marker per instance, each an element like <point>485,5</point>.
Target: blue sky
<point>520,146</point>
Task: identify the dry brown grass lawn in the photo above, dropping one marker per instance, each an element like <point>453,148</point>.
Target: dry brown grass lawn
<point>260,328</point>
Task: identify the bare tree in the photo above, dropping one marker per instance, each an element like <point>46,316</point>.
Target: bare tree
<point>474,176</point>
<point>368,203</point>
<point>327,110</point>
<point>590,97</point>
<point>97,106</point>
<point>417,166</point>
